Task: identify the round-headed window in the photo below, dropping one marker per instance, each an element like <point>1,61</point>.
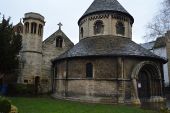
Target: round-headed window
<point>120,29</point>
<point>98,27</point>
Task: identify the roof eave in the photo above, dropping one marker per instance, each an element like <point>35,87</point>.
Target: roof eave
<point>106,11</point>
<point>163,60</point>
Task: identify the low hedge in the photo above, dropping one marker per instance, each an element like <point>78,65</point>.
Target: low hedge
<point>21,90</point>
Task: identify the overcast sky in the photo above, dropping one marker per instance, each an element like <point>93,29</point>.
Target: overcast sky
<point>69,11</point>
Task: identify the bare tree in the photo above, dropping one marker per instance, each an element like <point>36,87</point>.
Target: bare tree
<point>160,23</point>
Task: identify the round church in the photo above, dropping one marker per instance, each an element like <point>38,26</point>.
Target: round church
<point>106,65</point>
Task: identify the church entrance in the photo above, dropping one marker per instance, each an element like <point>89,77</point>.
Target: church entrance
<point>149,82</point>
<point>144,85</point>
<point>37,83</point>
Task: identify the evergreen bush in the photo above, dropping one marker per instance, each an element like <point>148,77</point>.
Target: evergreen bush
<point>5,105</point>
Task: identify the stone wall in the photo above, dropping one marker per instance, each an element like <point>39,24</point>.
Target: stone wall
<point>77,68</point>
<point>107,85</point>
<point>31,66</point>
<point>167,36</point>
<point>111,81</point>
<point>31,53</point>
<point>50,52</point>
<point>162,51</point>
<point>32,42</point>
<point>109,25</point>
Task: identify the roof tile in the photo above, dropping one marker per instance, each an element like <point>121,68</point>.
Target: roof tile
<point>108,46</point>
<point>105,5</point>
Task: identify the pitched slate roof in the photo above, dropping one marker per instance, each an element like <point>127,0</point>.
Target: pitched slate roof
<point>160,42</point>
<point>105,5</point>
<point>59,32</point>
<point>148,45</point>
<point>108,46</point>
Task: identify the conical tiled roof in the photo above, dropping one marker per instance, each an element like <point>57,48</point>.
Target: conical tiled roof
<point>105,5</point>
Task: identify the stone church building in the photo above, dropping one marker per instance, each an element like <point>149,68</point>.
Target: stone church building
<point>36,55</point>
<point>104,66</point>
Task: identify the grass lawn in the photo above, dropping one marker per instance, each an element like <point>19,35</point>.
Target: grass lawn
<point>49,105</point>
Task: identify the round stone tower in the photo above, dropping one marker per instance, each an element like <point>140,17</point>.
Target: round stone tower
<point>31,55</point>
<point>105,17</point>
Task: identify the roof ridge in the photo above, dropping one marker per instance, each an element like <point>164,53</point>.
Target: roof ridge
<point>57,32</point>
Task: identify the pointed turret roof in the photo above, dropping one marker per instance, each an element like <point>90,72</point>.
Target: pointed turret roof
<point>105,5</point>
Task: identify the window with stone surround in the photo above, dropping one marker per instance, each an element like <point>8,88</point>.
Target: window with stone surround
<point>26,27</point>
<point>82,31</point>
<point>55,72</point>
<point>89,70</point>
<point>120,29</point>
<point>33,27</point>
<point>98,27</point>
<point>40,30</point>
<point>26,81</point>
<point>59,42</point>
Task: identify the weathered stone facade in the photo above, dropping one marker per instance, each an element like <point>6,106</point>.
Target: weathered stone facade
<point>36,55</point>
<point>31,53</point>
<point>109,22</point>
<point>111,81</point>
<point>50,51</point>
<point>106,65</point>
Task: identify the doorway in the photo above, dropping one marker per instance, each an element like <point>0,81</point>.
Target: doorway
<point>149,82</point>
<point>144,85</point>
<point>37,84</point>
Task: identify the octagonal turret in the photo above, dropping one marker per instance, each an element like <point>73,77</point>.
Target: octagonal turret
<point>105,17</point>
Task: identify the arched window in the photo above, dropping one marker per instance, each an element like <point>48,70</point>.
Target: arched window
<point>120,29</point>
<point>89,70</point>
<point>33,28</point>
<point>56,71</point>
<point>59,42</point>
<point>26,27</point>
<point>82,32</point>
<point>40,29</point>
<point>98,27</point>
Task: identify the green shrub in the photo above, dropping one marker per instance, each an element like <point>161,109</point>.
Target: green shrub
<point>24,89</point>
<point>5,105</point>
<point>164,110</point>
<point>21,90</point>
